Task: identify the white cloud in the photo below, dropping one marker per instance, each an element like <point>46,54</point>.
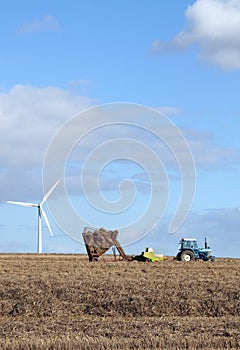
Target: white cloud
<point>29,118</point>
<point>208,154</point>
<point>46,24</point>
<point>214,25</point>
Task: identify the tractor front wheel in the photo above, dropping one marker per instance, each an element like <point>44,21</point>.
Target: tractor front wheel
<point>187,255</point>
<point>211,258</point>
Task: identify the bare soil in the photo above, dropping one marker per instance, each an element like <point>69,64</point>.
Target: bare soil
<point>65,302</point>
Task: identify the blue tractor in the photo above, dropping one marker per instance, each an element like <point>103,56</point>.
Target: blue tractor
<point>189,251</point>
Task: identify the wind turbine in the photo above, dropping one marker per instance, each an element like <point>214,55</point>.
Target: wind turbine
<point>41,213</point>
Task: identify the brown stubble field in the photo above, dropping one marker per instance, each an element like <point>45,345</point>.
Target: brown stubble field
<point>65,302</point>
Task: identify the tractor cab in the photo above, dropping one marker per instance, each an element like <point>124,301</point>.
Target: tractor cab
<point>189,243</point>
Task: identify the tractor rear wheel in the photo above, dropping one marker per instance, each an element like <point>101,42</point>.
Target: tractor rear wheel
<point>187,255</point>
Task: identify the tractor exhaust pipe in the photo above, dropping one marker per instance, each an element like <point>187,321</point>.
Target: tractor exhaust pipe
<point>206,245</point>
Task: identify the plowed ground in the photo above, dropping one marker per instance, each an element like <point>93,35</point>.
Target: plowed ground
<point>65,302</point>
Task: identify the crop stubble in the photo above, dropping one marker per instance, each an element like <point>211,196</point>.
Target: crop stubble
<point>65,302</point>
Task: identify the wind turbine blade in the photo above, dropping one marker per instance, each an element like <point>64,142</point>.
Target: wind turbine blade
<point>49,192</point>
<point>46,220</point>
<point>23,204</point>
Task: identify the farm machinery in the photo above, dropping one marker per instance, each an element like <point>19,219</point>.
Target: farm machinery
<point>189,250</point>
<point>98,241</point>
<point>149,256</point>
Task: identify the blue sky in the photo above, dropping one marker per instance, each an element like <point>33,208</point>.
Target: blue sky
<point>181,58</point>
